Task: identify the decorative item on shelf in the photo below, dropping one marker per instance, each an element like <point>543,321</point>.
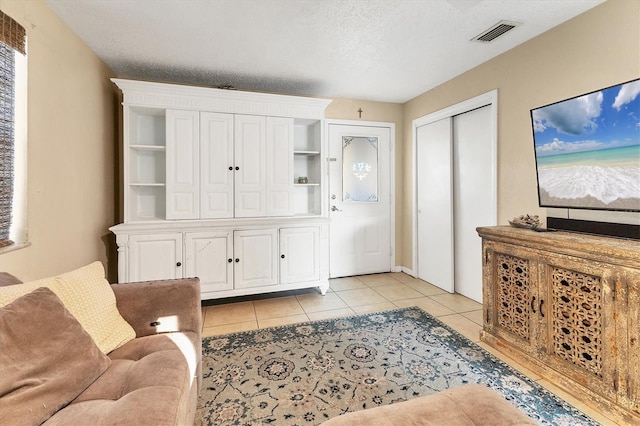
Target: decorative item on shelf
<point>226,86</point>
<point>303,179</point>
<point>525,221</point>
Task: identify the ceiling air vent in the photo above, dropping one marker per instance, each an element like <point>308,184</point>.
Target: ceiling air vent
<point>495,31</point>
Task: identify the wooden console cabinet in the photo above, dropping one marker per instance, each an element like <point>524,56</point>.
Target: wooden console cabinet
<point>567,306</point>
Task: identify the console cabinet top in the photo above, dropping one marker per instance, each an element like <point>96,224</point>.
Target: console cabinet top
<point>605,249</point>
<point>176,96</point>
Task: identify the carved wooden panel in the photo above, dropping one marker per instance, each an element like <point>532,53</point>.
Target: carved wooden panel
<point>577,318</point>
<point>513,294</point>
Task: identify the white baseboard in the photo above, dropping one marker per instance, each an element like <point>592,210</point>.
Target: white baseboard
<point>404,269</point>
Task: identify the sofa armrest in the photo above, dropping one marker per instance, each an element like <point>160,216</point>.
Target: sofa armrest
<point>162,306</point>
<point>8,279</point>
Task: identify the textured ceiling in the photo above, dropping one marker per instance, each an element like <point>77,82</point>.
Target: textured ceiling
<point>382,50</point>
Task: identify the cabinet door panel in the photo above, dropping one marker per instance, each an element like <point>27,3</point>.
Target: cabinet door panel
<point>513,291</point>
<point>629,363</point>
<point>183,164</point>
<point>216,157</point>
<point>250,158</point>
<point>279,166</point>
<point>207,256</point>
<point>299,254</point>
<point>155,257</point>
<point>255,262</point>
<point>578,300</point>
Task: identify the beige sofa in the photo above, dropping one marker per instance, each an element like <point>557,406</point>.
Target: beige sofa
<point>469,405</point>
<point>153,379</point>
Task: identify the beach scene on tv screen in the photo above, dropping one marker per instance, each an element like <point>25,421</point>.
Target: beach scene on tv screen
<point>588,150</point>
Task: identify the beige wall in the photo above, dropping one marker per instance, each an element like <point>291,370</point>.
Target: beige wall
<point>72,115</point>
<point>347,109</point>
<point>597,49</point>
<point>71,148</point>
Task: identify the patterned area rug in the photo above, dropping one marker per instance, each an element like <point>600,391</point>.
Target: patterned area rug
<point>306,373</point>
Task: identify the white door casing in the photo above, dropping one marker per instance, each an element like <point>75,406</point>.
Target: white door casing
<point>360,230</point>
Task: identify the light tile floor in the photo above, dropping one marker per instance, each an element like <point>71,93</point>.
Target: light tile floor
<point>359,295</point>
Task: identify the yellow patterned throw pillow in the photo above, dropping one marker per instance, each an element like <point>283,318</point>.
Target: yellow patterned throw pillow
<point>88,296</point>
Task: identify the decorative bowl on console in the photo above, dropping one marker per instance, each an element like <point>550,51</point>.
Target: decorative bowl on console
<point>525,221</point>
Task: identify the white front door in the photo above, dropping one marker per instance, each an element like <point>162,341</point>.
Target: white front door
<point>359,199</point>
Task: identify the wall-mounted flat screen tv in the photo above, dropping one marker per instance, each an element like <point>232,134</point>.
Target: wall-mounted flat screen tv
<point>587,150</point>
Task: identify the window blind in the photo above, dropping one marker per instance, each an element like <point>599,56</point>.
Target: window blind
<point>12,37</point>
<point>12,34</point>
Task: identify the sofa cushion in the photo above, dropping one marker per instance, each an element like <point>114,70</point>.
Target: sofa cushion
<point>148,383</point>
<point>88,296</point>
<point>46,358</point>
<point>467,405</point>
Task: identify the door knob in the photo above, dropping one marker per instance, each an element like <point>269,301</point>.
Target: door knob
<point>179,264</point>
<point>335,209</point>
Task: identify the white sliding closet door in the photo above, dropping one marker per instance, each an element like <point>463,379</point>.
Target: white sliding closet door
<point>473,204</point>
<point>456,184</point>
<point>435,204</point>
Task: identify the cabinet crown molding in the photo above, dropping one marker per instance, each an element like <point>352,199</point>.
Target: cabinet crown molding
<point>175,96</point>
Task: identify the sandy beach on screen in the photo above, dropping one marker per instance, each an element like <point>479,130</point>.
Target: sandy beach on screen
<point>589,202</point>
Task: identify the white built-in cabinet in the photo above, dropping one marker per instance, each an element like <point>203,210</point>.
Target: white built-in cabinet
<point>226,186</point>
<point>228,165</point>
